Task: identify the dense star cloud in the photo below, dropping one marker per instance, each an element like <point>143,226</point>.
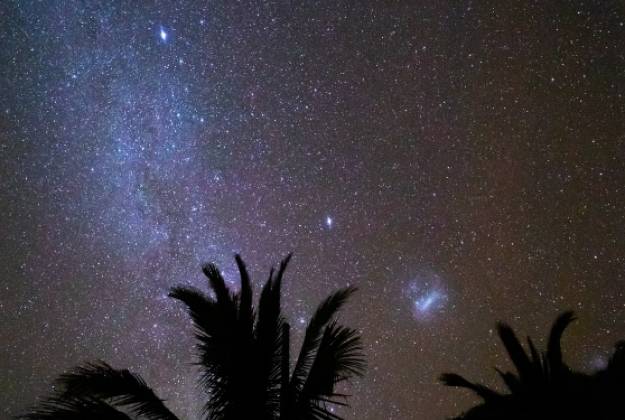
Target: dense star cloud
<point>428,295</point>
<point>460,162</point>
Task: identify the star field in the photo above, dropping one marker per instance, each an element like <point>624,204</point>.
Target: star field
<point>460,162</point>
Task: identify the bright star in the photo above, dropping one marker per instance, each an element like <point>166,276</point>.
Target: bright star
<point>329,222</point>
<point>163,34</point>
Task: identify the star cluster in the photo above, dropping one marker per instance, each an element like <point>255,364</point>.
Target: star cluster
<point>460,162</point>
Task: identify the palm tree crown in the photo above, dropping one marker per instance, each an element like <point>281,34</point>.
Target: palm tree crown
<point>544,386</point>
<point>244,353</point>
<point>243,356</point>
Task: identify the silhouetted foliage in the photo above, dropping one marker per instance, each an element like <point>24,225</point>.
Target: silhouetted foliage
<point>243,355</point>
<point>244,352</point>
<point>97,391</point>
<point>544,386</point>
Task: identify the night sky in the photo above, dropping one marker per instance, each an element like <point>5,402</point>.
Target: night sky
<point>461,162</point>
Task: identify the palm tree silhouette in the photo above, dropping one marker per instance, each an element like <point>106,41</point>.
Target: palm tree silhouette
<point>544,386</point>
<point>243,356</point>
<point>97,391</point>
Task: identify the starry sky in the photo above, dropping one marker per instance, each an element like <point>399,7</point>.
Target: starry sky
<point>461,162</point>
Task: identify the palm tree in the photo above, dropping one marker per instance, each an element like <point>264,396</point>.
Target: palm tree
<point>244,354</point>
<point>544,386</point>
<point>244,359</point>
<point>97,391</point>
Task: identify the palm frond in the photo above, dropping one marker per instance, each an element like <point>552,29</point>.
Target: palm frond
<point>452,379</point>
<point>268,308</point>
<point>322,316</point>
<point>554,349</point>
<point>200,307</point>
<point>283,265</point>
<point>269,337</point>
<point>539,371</point>
<point>218,345</point>
<point>339,357</point>
<point>119,387</point>
<point>512,381</point>
<point>320,412</point>
<point>246,309</point>
<point>268,326</point>
<point>515,350</point>
<point>535,355</point>
<point>70,408</point>
<point>218,285</point>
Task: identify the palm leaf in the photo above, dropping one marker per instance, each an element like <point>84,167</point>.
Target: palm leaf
<point>338,357</point>
<point>269,338</point>
<point>322,316</point>
<point>269,323</point>
<point>515,350</point>
<point>452,379</point>
<point>535,355</point>
<point>119,387</point>
<point>246,309</point>
<point>217,283</point>
<point>70,408</point>
<point>554,350</point>
<point>200,307</point>
<point>283,265</point>
<point>512,381</point>
<point>215,329</point>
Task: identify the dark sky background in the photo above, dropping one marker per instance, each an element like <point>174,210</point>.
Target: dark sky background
<point>459,161</point>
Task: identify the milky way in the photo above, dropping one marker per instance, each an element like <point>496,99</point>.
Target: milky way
<point>460,162</point>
